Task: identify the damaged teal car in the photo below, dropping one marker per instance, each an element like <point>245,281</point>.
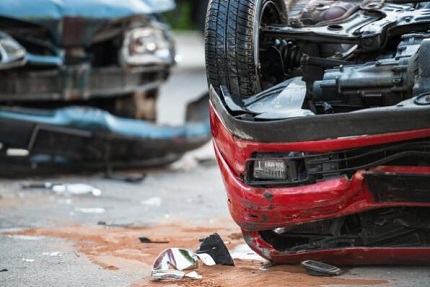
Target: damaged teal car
<point>79,82</point>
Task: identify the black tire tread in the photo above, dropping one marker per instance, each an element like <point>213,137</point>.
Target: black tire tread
<point>229,46</point>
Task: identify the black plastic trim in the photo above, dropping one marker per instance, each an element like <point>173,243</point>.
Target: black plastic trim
<point>413,188</point>
<point>322,127</point>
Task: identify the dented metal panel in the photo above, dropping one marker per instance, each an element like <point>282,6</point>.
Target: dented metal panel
<point>77,138</point>
<point>97,9</point>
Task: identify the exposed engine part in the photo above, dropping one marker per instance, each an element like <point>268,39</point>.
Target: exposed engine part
<point>381,83</point>
<point>317,11</point>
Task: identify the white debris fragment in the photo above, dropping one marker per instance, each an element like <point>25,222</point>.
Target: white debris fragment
<point>194,275</point>
<point>206,259</point>
<point>244,252</point>
<point>76,189</point>
<point>95,210</point>
<point>65,188</point>
<point>26,237</point>
<point>153,201</point>
<point>27,260</point>
<point>53,254</point>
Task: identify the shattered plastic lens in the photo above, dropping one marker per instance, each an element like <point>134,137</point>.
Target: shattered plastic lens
<point>146,46</point>
<point>270,169</point>
<point>144,41</point>
<point>11,52</point>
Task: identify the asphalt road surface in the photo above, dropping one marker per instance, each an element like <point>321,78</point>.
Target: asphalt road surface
<point>51,239</point>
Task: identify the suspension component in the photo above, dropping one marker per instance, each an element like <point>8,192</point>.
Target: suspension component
<point>290,54</point>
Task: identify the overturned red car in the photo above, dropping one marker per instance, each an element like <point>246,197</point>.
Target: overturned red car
<point>321,125</point>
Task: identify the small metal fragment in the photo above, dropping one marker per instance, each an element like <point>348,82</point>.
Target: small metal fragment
<point>177,258</point>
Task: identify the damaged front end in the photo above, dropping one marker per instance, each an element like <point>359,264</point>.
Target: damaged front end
<point>79,82</point>
<point>325,152</point>
<point>76,138</point>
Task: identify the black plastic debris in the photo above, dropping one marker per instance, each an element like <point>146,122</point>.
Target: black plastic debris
<point>4,270</point>
<point>144,239</point>
<point>316,268</point>
<point>215,247</point>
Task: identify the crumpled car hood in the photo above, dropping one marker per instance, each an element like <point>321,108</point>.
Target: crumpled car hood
<point>98,9</point>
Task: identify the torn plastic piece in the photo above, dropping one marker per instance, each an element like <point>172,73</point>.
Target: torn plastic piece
<point>144,239</point>
<point>65,188</point>
<point>215,247</point>
<point>316,268</point>
<point>179,259</point>
<point>4,270</point>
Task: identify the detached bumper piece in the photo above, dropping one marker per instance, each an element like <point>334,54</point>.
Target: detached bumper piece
<point>77,138</point>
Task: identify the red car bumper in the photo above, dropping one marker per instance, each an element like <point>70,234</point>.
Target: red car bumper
<point>259,209</point>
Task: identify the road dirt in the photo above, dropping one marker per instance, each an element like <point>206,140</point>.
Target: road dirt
<point>119,249</point>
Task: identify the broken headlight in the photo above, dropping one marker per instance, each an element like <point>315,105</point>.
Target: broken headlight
<point>12,54</point>
<point>271,169</point>
<point>146,46</point>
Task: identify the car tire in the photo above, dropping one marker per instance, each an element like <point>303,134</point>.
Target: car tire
<point>232,43</point>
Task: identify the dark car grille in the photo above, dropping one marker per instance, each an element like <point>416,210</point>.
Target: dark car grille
<point>310,167</point>
<point>74,84</point>
<point>415,153</point>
